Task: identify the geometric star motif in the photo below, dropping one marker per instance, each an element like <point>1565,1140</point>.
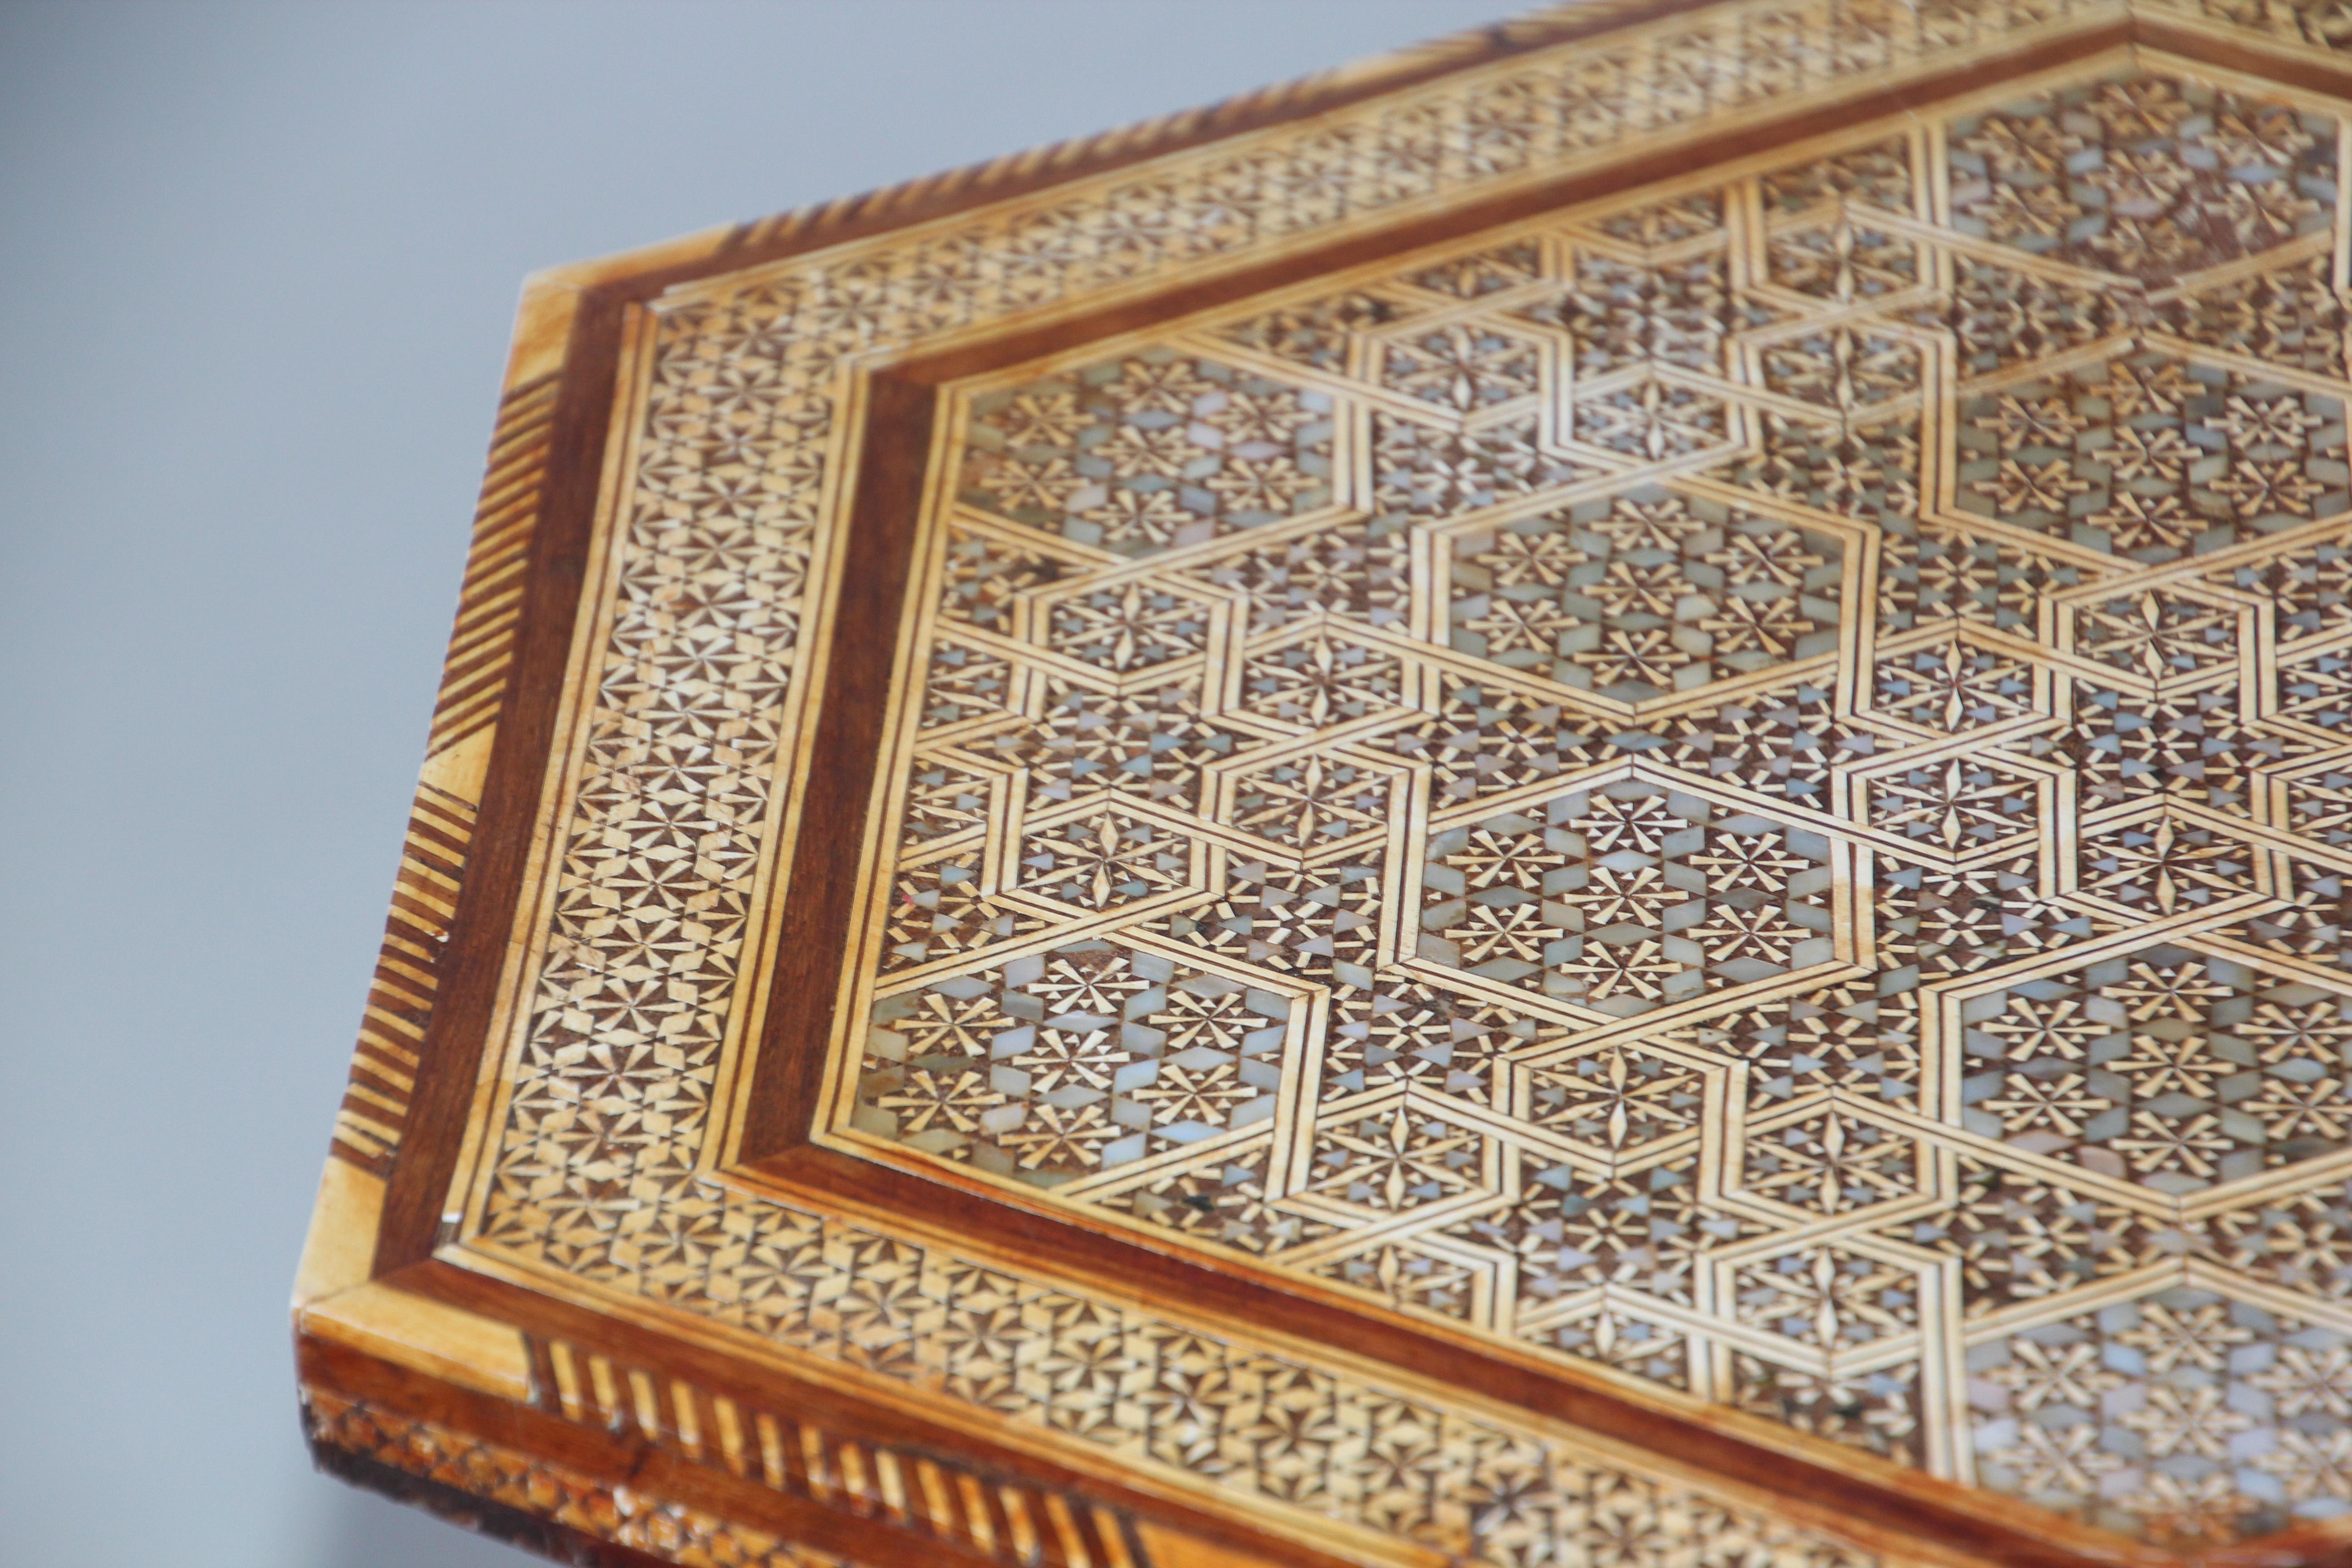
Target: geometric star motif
<point>1133,626</point>
<point>1141,455</point>
<point>2153,865</point>
<point>1608,785</point>
<point>1956,805</point>
<point>2150,457</point>
<point>1625,898</point>
<point>2158,635</point>
<point>1841,367</point>
<point>1459,368</point>
<point>1827,1297</point>
<point>1104,859</point>
<point>1619,1102</point>
<point>1952,686</point>
<point>1051,1066</point>
<point>1646,593</point>
<point>2165,1067</point>
<point>2141,175</point>
<point>1652,418</point>
<point>2136,1416</point>
<point>1828,1162</point>
<point>1312,802</point>
<point>1397,1158</point>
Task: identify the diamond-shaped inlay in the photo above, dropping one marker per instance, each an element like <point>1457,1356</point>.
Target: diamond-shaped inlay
<point>1398,1157</point>
<point>1106,858</point>
<point>1131,626</point>
<point>2160,635</point>
<point>1958,804</point>
<point>2155,864</point>
<point>1828,1162</point>
<point>1652,419</point>
<point>1951,686</point>
<point>1843,259</point>
<point>1828,1298</point>
<point>1460,368</point>
<point>1324,680</point>
<point>1617,1101</point>
<point>1312,801</point>
<point>1840,366</point>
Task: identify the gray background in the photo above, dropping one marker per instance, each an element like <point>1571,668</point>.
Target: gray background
<point>260,263</point>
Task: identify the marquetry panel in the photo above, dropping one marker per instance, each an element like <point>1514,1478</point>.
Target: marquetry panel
<point>1690,787</point>
<point>1587,797</point>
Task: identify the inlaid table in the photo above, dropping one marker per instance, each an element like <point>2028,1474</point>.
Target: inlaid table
<point>1583,798</point>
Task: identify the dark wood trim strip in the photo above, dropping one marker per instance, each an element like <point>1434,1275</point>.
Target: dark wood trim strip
<point>2244,52</point>
<point>457,1033</point>
<point>849,737</point>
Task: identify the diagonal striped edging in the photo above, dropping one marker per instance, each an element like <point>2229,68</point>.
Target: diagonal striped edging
<point>374,1110</point>
<point>489,603</point>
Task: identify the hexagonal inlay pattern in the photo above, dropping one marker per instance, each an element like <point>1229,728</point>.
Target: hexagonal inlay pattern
<point>1751,791</point>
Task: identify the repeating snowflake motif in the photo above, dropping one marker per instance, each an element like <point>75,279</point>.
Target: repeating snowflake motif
<point>1644,593</point>
<point>1079,1060</point>
<point>1398,1029</point>
<point>1618,1101</point>
<point>2164,637</point>
<point>1829,1162</point>
<point>1956,805</point>
<point>1617,313</point>
<point>1698,604</point>
<point>1952,686</point>
<point>2183,1417</point>
<point>2166,1068</point>
<point>2150,458</point>
<point>1143,455</point>
<point>2143,175</point>
<point>1626,898</point>
<point>1461,368</point>
<point>1106,859</point>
